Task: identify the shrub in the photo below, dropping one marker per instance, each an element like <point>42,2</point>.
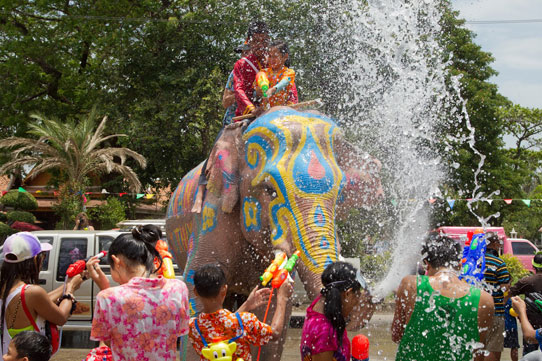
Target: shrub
<point>5,231</point>
<point>3,217</point>
<point>19,200</point>
<point>515,267</point>
<point>109,214</point>
<point>21,216</point>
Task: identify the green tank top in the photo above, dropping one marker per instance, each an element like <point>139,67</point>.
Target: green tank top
<point>440,328</point>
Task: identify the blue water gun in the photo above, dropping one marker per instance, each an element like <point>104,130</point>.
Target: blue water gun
<point>474,258</point>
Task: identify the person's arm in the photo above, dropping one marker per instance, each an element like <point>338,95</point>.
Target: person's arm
<point>96,273</point>
<point>486,309</point>
<point>255,299</point>
<point>243,101</point>
<point>283,294</point>
<point>38,300</point>
<point>101,324</point>
<point>292,95</point>
<point>529,332</point>
<point>404,305</point>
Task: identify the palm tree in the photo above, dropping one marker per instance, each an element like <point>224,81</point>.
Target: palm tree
<point>76,150</point>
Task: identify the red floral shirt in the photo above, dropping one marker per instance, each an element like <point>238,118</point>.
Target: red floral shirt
<point>224,325</point>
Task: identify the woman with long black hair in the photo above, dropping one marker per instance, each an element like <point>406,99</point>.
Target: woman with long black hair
<point>143,317</point>
<point>22,257</point>
<point>324,336</point>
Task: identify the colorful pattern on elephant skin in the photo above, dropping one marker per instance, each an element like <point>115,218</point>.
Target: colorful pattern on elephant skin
<point>208,214</point>
<point>251,214</point>
<point>293,153</point>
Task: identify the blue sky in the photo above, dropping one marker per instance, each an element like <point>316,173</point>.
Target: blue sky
<point>517,48</point>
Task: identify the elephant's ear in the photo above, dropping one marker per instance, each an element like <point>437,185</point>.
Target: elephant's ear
<point>223,168</point>
<point>362,173</point>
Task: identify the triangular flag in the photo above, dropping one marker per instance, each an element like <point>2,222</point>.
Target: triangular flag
<point>432,200</point>
<point>104,190</point>
<point>139,195</point>
<point>149,196</point>
<point>489,201</point>
<point>21,189</point>
<point>508,201</point>
<point>527,202</point>
<point>4,192</point>
<point>469,199</point>
<point>394,202</point>
<point>38,191</point>
<point>122,194</point>
<point>451,203</point>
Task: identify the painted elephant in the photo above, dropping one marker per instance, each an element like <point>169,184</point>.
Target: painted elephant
<point>274,185</point>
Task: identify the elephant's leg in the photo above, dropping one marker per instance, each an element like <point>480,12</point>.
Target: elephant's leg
<point>273,350</point>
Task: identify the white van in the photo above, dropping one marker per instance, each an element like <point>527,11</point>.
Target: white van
<point>68,247</point>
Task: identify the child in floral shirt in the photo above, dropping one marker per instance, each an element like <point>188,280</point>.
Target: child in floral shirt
<point>142,318</point>
<point>216,323</point>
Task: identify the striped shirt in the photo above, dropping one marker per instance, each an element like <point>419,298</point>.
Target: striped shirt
<point>495,276</point>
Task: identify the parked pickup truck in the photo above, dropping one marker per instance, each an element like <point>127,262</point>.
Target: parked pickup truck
<point>68,247</point>
<point>521,248</point>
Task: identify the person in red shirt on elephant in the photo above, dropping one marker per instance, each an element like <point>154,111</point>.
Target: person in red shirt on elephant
<point>246,68</point>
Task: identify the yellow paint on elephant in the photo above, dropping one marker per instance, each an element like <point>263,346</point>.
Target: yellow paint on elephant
<point>208,222</point>
<point>305,175</point>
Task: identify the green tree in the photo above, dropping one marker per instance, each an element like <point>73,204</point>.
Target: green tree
<point>19,200</point>
<point>109,214</point>
<point>77,151</point>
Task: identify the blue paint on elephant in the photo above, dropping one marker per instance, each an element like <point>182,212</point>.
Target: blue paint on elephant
<point>208,214</point>
<point>189,277</point>
<point>312,175</point>
<point>319,217</point>
<point>251,214</point>
<point>324,243</point>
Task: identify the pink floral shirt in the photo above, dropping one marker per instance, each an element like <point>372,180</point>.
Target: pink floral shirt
<point>142,318</point>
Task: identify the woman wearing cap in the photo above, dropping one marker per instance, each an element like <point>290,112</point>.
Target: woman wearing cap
<point>324,336</point>
<point>22,257</point>
<point>438,316</point>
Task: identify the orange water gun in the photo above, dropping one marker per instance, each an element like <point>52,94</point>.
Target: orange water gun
<point>263,82</point>
<point>166,269</point>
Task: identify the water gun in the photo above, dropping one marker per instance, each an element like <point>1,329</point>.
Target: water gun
<point>474,260</point>
<point>263,82</point>
<point>533,302</point>
<point>283,83</point>
<point>167,260</point>
<point>79,266</point>
<point>360,348</point>
<point>279,269</point>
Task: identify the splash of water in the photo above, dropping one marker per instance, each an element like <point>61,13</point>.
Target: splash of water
<point>390,81</point>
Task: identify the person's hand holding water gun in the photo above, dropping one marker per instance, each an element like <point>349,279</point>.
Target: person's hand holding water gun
<point>96,273</point>
<point>256,298</point>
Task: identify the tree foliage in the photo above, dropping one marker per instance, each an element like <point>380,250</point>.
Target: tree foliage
<point>19,200</point>
<point>107,216</point>
<point>21,216</point>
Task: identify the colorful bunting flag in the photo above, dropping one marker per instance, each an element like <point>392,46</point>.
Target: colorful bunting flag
<point>22,190</point>
<point>139,195</point>
<point>432,200</point>
<point>508,201</point>
<point>451,203</point>
<point>394,202</point>
<point>527,202</point>
<point>104,191</point>
<point>122,194</point>
<point>149,196</point>
<point>489,201</point>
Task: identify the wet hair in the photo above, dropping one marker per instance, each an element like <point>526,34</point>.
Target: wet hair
<point>338,277</point>
<point>283,48</point>
<point>208,280</point>
<point>33,345</point>
<point>137,248</point>
<point>151,233</point>
<point>27,271</point>
<point>83,221</point>
<point>257,27</point>
<point>441,251</point>
<point>492,237</point>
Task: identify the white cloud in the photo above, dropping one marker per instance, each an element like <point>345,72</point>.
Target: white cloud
<point>521,92</point>
<point>522,54</point>
<point>499,9</point>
